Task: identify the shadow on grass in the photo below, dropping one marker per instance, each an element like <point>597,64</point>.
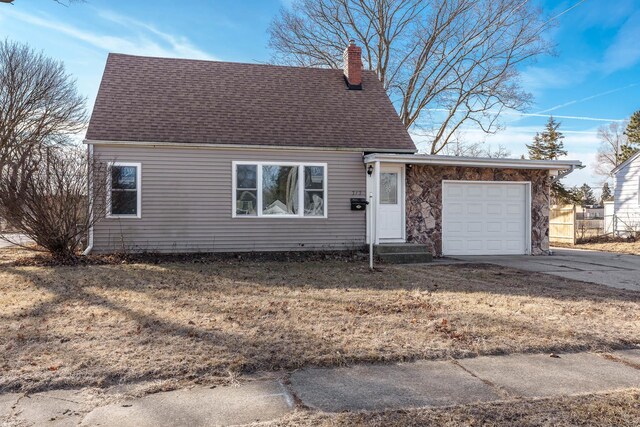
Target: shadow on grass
<point>193,322</point>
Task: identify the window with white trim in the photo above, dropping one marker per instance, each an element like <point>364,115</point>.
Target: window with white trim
<point>124,195</point>
<point>279,189</point>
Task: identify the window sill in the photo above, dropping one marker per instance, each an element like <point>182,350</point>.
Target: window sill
<point>278,217</point>
<point>123,216</point>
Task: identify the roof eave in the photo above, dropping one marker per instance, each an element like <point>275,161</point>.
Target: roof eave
<point>625,163</point>
<point>245,146</point>
<point>460,161</point>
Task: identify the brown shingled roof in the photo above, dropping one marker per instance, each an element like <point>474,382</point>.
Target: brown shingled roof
<point>147,99</point>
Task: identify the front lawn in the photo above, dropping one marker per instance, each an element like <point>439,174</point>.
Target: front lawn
<point>621,247</point>
<point>186,322</point>
<point>617,409</point>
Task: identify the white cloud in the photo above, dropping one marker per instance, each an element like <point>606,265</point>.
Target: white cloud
<point>588,98</point>
<point>536,79</point>
<point>179,44</point>
<point>602,14</point>
<point>515,115</point>
<point>583,118</point>
<point>146,39</point>
<point>624,52</point>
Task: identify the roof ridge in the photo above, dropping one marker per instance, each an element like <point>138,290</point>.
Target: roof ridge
<point>257,64</point>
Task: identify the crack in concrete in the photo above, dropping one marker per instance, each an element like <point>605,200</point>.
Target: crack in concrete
<point>15,413</point>
<point>499,390</point>
<point>13,405</point>
<point>293,400</point>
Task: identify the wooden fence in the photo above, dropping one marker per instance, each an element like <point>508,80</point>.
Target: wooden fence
<point>562,224</point>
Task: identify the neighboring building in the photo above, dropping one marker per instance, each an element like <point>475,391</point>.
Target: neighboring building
<point>626,196</point>
<point>226,157</point>
<point>590,212</point>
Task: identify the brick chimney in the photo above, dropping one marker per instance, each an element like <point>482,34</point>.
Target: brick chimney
<point>352,58</point>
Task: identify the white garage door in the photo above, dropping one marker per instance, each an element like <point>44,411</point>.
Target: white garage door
<point>484,218</point>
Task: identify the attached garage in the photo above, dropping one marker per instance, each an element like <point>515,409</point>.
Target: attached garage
<point>486,218</point>
<point>463,205</point>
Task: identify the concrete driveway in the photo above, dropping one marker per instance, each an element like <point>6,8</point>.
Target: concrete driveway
<point>605,268</point>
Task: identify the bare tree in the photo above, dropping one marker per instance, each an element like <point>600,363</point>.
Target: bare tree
<point>611,150</point>
<point>444,62</point>
<point>458,147</point>
<point>39,105</point>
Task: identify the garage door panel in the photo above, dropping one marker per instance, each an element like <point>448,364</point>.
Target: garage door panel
<point>474,227</point>
<point>473,209</point>
<point>513,209</point>
<point>494,191</point>
<point>455,227</point>
<point>514,227</point>
<point>455,245</point>
<point>513,192</point>
<point>456,208</point>
<point>513,245</point>
<point>474,244</point>
<point>483,218</point>
<point>474,192</point>
<point>454,191</point>
<point>494,245</point>
<point>494,227</point>
<point>494,208</point>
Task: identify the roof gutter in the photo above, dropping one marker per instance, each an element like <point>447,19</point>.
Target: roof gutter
<point>625,163</point>
<point>561,174</point>
<point>460,161</point>
<point>217,146</point>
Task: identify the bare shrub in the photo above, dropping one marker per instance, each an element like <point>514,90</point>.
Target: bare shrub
<point>40,110</point>
<point>51,204</point>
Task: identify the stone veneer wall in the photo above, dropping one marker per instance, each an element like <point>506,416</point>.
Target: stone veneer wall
<point>424,201</point>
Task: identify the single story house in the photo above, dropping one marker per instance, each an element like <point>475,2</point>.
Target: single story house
<point>226,157</point>
<point>626,196</point>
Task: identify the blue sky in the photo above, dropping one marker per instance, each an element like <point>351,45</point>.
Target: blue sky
<point>594,76</point>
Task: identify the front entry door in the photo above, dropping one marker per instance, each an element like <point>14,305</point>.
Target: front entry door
<point>391,204</point>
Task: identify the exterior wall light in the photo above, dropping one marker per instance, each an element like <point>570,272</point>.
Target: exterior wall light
<point>370,170</point>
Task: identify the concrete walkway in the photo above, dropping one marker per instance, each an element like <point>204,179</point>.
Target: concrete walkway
<point>605,268</point>
<point>361,387</point>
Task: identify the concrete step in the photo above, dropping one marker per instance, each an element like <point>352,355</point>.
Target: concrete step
<point>405,258</point>
<point>399,248</point>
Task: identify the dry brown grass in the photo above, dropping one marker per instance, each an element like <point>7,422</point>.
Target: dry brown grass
<point>191,323</point>
<point>604,410</point>
<point>623,247</point>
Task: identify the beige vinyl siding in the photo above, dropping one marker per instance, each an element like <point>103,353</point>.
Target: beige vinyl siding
<point>626,197</point>
<point>187,203</point>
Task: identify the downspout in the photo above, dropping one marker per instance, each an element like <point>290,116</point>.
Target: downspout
<point>562,174</point>
<point>89,248</point>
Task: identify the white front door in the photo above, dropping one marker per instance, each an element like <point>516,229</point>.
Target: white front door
<point>391,204</point>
